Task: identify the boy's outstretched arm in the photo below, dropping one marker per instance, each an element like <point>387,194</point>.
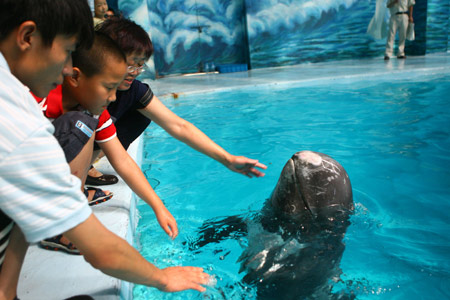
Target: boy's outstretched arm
<point>115,257</point>
<point>189,134</point>
<point>127,168</point>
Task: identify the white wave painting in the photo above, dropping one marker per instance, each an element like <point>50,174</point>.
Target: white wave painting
<point>191,34</point>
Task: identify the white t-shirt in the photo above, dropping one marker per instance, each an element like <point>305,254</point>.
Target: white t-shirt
<point>37,190</point>
<point>400,6</point>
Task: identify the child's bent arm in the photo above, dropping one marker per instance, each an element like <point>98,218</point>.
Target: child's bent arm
<point>127,168</point>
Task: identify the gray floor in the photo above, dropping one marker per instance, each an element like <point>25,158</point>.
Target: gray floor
<point>52,275</point>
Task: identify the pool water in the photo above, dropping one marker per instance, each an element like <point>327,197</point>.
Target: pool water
<point>393,138</point>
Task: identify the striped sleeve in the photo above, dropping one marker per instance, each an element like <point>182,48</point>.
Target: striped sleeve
<point>106,130</point>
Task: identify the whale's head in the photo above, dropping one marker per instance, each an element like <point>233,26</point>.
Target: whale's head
<point>312,184</point>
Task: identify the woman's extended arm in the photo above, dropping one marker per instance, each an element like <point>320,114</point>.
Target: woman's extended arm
<point>187,133</point>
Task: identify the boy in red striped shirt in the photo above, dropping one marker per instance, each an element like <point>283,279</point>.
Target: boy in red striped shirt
<point>78,108</point>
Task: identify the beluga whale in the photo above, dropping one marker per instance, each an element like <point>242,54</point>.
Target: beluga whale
<point>294,244</point>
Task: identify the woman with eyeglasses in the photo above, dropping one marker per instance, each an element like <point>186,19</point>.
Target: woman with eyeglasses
<point>136,105</point>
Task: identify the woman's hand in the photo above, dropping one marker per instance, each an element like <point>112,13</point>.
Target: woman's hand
<point>245,166</point>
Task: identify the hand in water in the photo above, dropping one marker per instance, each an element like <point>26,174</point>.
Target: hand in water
<point>246,166</point>
<point>185,278</point>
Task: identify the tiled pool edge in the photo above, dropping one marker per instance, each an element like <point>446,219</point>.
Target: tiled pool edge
<point>126,288</point>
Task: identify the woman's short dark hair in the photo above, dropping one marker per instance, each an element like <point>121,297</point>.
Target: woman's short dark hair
<point>130,37</point>
<point>52,18</point>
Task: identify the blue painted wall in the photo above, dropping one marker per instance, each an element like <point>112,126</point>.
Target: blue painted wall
<point>419,45</point>
<point>190,35</point>
<point>438,16</point>
<point>287,32</point>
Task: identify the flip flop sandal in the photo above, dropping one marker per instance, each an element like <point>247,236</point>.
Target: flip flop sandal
<point>99,195</point>
<point>55,244</point>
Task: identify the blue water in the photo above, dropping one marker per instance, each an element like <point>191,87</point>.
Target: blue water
<point>392,137</point>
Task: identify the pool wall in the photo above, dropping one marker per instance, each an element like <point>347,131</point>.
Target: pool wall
<point>126,288</point>
<point>193,36</point>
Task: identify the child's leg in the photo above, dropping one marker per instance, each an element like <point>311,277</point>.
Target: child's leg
<point>97,154</point>
<point>79,166</point>
<point>75,132</point>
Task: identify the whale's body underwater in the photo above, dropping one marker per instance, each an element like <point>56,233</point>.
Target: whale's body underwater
<point>295,242</point>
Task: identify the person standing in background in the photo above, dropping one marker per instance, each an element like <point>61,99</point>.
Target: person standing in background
<point>401,15</point>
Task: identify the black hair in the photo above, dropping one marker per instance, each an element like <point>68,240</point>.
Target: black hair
<point>130,37</point>
<point>52,18</point>
<point>92,61</point>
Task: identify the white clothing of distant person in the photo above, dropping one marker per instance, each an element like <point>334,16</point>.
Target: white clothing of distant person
<point>398,21</point>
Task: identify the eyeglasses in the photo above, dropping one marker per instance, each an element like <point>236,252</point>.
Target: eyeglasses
<point>132,69</point>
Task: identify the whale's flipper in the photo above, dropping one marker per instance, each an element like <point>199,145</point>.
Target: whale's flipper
<point>293,263</point>
<point>218,229</point>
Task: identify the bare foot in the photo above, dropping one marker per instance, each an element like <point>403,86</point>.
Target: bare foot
<point>65,241</point>
<point>59,242</point>
<point>94,172</point>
